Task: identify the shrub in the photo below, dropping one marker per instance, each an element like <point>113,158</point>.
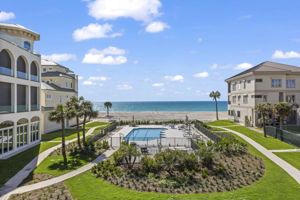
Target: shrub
<point>118,158</point>
<point>231,146</point>
<point>149,165</point>
<point>207,156</point>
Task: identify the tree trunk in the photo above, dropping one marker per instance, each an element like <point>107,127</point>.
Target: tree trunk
<point>78,132</point>
<point>264,126</point>
<point>107,111</point>
<point>63,149</point>
<point>217,115</point>
<point>83,131</point>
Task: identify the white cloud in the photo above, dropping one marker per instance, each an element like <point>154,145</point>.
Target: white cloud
<point>98,78</point>
<point>214,66</point>
<point>59,57</point>
<point>243,66</point>
<point>201,75</point>
<point>155,27</point>
<point>199,40</point>
<point>158,84</point>
<point>217,66</point>
<point>140,10</point>
<point>108,56</point>
<point>179,78</point>
<point>5,16</point>
<point>95,31</point>
<point>124,86</point>
<point>80,77</point>
<point>285,55</point>
<point>89,83</point>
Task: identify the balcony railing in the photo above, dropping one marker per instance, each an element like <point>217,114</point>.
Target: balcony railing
<point>6,109</point>
<point>47,108</point>
<point>6,71</point>
<point>22,75</point>
<point>34,78</point>
<point>22,108</point>
<point>35,107</point>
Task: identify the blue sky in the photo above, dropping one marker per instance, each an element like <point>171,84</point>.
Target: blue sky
<point>137,50</point>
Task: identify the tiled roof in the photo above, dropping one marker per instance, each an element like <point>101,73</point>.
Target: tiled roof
<point>58,74</point>
<point>45,62</point>
<point>51,86</point>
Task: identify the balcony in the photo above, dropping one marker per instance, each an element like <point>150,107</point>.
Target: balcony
<point>6,71</point>
<point>35,107</point>
<point>22,108</point>
<point>6,109</point>
<point>47,108</point>
<point>22,75</point>
<point>34,78</point>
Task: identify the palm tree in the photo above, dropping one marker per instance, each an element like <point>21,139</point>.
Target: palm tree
<point>88,112</point>
<point>215,95</point>
<point>265,110</point>
<point>107,105</point>
<point>75,106</point>
<point>59,115</point>
<point>283,110</point>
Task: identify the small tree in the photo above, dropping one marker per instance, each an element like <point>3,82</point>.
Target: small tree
<point>283,110</point>
<point>59,115</point>
<point>215,96</point>
<point>107,105</point>
<point>88,112</point>
<point>130,153</point>
<point>265,110</point>
<point>75,106</point>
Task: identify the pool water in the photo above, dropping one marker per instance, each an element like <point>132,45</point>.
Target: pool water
<point>144,134</point>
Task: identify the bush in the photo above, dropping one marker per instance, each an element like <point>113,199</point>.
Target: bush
<point>206,155</point>
<point>149,165</point>
<point>231,146</point>
<point>106,169</point>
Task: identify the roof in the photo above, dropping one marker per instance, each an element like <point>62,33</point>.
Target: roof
<point>269,67</point>
<point>57,74</point>
<point>51,86</point>
<point>45,62</point>
<point>19,27</point>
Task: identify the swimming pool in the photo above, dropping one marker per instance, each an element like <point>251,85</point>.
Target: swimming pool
<point>144,134</point>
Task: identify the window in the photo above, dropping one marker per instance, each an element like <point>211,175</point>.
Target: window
<point>44,69</point>
<point>245,99</point>
<point>67,84</point>
<point>258,80</point>
<point>238,114</point>
<point>276,83</point>
<point>234,87</point>
<point>71,85</point>
<point>265,98</point>
<point>290,98</point>
<point>249,81</point>
<point>48,96</point>
<point>27,45</point>
<point>244,84</point>
<point>239,98</point>
<point>290,83</point>
<point>234,99</point>
<point>257,96</point>
<point>280,96</point>
<point>229,112</point>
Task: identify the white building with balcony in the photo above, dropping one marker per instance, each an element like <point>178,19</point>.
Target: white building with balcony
<point>267,82</point>
<point>20,88</point>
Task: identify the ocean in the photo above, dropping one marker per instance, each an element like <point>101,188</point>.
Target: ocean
<point>176,106</point>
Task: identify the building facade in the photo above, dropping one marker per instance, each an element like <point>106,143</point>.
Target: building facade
<point>267,82</point>
<point>59,84</point>
<point>20,88</point>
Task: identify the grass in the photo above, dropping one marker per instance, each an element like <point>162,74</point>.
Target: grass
<point>54,165</point>
<point>10,166</point>
<point>56,135</point>
<point>267,142</point>
<point>97,130</point>
<point>276,184</point>
<point>291,157</point>
<point>93,124</point>
<point>221,123</point>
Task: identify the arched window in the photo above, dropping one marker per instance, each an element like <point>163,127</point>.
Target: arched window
<point>34,72</point>
<point>27,45</point>
<point>21,68</point>
<point>5,63</point>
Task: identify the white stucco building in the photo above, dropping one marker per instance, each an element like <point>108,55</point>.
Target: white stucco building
<point>267,82</point>
<point>20,88</point>
<point>59,84</point>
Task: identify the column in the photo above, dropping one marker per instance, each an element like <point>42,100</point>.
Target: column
<point>15,136</point>
<point>14,97</point>
<point>29,133</point>
<point>29,98</point>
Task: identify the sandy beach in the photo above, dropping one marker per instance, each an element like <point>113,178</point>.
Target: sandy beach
<point>164,116</point>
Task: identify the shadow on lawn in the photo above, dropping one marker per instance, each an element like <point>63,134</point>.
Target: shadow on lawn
<point>74,162</point>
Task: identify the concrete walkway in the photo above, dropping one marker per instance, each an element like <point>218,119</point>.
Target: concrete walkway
<point>28,188</point>
<point>292,171</point>
<point>285,150</point>
<point>17,179</point>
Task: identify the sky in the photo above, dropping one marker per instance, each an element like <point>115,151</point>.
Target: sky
<point>159,50</point>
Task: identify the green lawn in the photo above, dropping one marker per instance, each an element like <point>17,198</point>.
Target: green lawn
<point>291,157</point>
<point>267,142</point>
<point>54,165</point>
<point>9,167</point>
<point>97,130</point>
<point>93,124</point>
<point>221,123</point>
<point>56,135</point>
<point>276,184</point>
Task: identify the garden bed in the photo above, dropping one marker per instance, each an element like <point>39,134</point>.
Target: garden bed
<point>219,167</point>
